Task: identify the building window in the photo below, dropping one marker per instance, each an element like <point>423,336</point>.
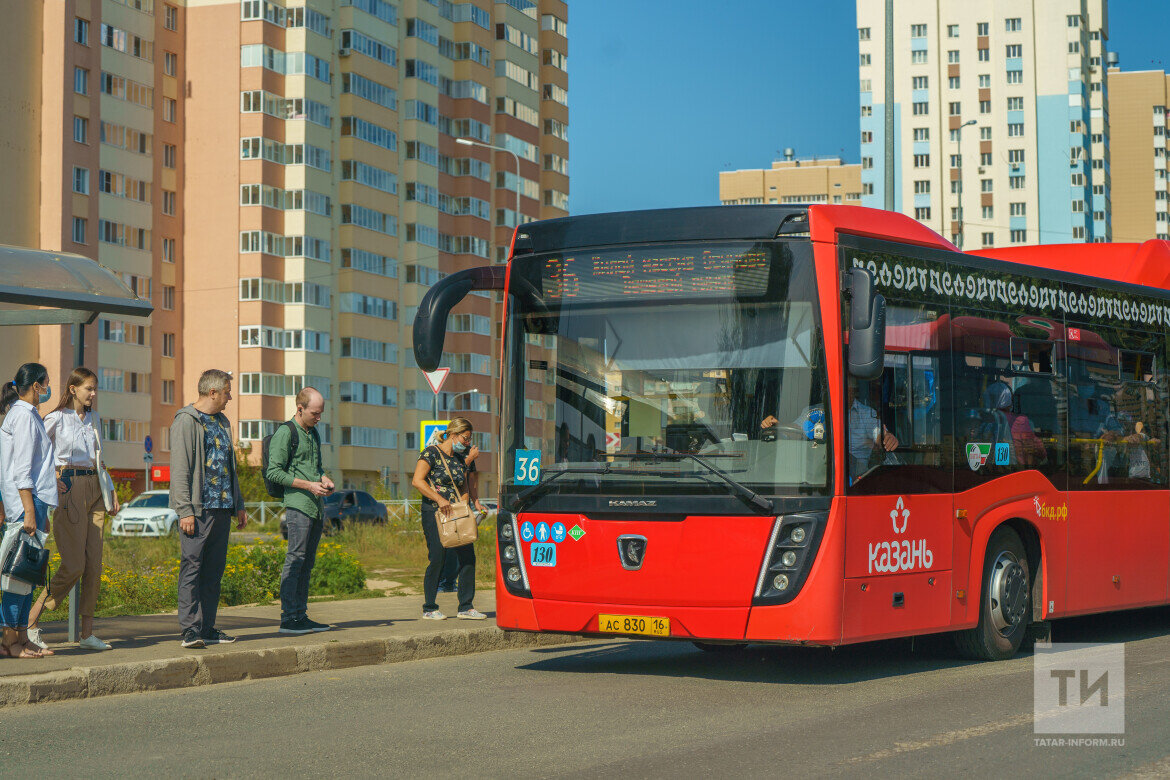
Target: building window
<point>1014,50</point>
<point>170,17</point>
<point>80,129</point>
<point>1019,236</point>
<point>983,55</point>
<point>168,250</point>
<point>922,161</point>
<point>1018,209</point>
<point>952,31</point>
<point>984,106</point>
<point>981,28</point>
<point>1015,155</point>
<point>922,187</point>
<point>918,57</point>
<point>168,155</point>
<point>81,81</point>
<point>169,109</point>
<point>170,63</point>
<point>1016,182</point>
<point>863,33</point>
<point>1015,77</point>
<point>81,180</point>
<point>1015,104</point>
<point>953,56</point>
<point>168,297</point>
<point>953,82</point>
<point>985,134</point>
<point>988,239</point>
<point>168,345</point>
<point>168,391</point>
<point>989,212</point>
<point>985,185</point>
<point>955,109</point>
<point>985,158</point>
<point>79,225</point>
<point>921,108</point>
<point>922,134</point>
<point>984,80</point>
<point>864,60</point>
<point>956,161</point>
<point>168,203</point>
<point>918,31</point>
<point>922,212</point>
<point>1015,129</point>
<point>919,82</point>
<point>81,31</point>
<point>1013,25</point>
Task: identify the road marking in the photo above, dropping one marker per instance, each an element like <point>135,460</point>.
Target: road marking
<point>946,738</point>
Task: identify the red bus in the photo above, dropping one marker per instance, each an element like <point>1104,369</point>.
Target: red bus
<point>821,425</point>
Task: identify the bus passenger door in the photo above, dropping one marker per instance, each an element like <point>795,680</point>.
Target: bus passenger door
<point>899,504</point>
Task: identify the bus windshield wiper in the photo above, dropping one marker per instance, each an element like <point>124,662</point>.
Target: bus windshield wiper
<point>535,490</point>
<point>743,491</point>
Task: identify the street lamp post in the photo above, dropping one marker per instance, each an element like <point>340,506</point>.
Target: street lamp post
<point>451,401</point>
<point>959,144</point>
<point>515,160</point>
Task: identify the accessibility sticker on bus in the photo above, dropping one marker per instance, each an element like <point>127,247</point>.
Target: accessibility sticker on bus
<point>543,554</point>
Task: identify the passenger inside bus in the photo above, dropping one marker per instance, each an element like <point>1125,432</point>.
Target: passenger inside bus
<point>999,424</point>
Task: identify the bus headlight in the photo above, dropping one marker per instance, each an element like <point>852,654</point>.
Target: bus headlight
<point>506,531</point>
<point>513,574</point>
<point>797,534</point>
<point>509,553</point>
<point>781,582</point>
<point>788,559</point>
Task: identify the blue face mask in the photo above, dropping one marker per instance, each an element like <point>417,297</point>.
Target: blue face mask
<point>45,396</point>
<point>458,446</point>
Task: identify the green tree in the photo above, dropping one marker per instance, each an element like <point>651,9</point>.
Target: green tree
<point>250,476</point>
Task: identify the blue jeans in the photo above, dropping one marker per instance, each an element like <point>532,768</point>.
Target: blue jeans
<point>14,608</point>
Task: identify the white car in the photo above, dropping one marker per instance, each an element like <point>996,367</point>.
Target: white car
<point>149,514</point>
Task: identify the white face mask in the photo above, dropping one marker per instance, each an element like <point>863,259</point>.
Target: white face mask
<point>459,447</point>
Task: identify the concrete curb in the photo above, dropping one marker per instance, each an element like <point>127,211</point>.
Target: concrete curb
<point>211,668</point>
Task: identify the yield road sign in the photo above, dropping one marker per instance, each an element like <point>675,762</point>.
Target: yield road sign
<point>436,378</point>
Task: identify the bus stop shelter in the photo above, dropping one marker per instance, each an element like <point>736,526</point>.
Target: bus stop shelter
<point>56,288</point>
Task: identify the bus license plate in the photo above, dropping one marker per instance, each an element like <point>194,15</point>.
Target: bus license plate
<point>633,624</point>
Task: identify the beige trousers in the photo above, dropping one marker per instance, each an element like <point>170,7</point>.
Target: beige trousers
<point>77,531</point>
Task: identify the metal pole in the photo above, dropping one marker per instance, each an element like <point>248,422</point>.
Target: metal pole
<point>888,109</point>
<point>75,592</point>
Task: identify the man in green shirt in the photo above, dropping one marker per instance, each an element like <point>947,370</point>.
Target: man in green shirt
<point>298,470</point>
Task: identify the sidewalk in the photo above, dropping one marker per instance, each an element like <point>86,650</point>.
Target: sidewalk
<point>147,656</point>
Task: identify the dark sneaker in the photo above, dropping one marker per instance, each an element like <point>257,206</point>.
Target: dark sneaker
<point>217,637</point>
<point>315,626</point>
<point>299,626</point>
<point>191,638</point>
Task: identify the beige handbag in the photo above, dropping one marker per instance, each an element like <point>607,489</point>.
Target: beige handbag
<point>104,479</point>
<point>457,525</point>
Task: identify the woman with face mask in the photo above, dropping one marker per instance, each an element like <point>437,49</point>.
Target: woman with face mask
<point>443,475</point>
<point>28,487</point>
<point>78,523</point>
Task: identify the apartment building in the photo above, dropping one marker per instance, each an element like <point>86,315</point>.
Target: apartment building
<point>988,122</point>
<point>325,192</point>
<point>1138,102</point>
<point>791,180</point>
<point>109,112</point>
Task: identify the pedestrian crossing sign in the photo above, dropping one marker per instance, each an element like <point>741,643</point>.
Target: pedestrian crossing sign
<point>429,429</point>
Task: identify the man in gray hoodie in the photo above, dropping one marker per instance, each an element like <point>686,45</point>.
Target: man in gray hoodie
<point>205,493</point>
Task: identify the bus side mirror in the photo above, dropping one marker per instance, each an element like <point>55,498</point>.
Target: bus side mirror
<point>430,321</point>
<point>867,326</point>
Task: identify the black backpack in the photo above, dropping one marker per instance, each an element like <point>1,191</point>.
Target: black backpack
<point>275,490</point>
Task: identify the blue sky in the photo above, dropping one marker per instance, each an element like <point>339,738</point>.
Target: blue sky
<point>663,94</point>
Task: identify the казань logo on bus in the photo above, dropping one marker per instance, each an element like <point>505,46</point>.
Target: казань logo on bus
<point>899,553</point>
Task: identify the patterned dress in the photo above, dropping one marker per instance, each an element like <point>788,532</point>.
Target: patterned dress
<point>438,478</point>
<point>217,454</point>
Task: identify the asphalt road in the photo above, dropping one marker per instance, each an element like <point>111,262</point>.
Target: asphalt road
<point>614,708</point>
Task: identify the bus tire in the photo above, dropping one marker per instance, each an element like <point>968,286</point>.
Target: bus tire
<point>712,647</point>
<point>1005,602</point>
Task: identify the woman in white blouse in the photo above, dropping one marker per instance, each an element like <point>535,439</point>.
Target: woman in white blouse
<point>79,520</point>
<point>28,491</point>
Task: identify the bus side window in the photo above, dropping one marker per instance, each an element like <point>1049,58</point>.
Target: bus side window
<point>896,423</point>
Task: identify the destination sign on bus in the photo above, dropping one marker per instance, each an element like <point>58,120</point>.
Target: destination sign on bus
<point>657,273</point>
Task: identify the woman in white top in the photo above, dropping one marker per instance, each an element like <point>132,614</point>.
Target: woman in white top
<point>28,489</point>
<point>78,522</point>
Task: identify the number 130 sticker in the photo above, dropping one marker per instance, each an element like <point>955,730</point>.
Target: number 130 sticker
<point>527,467</point>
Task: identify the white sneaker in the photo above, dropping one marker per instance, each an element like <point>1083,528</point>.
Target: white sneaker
<point>91,642</point>
<point>472,614</point>
<point>434,614</point>
<point>34,636</point>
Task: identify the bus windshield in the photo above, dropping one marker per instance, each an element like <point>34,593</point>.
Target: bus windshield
<point>622,363</point>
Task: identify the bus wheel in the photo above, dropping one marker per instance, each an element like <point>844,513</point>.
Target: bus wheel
<point>1006,601</point>
<point>711,647</point>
